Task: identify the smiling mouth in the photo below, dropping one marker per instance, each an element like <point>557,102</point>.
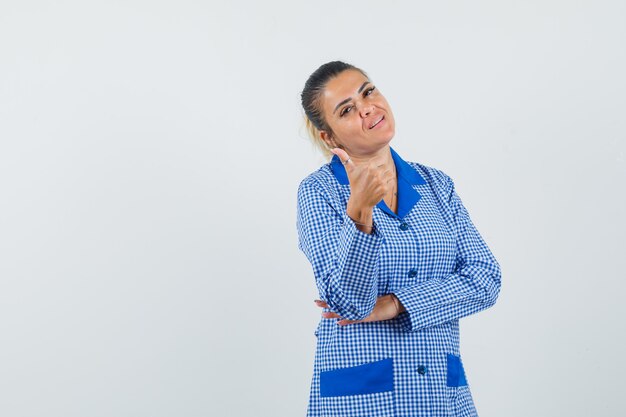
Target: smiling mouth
<point>376,123</point>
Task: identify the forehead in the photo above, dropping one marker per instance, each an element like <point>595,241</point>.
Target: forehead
<point>343,86</point>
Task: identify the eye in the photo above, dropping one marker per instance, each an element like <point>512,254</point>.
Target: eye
<point>344,111</point>
<point>369,91</point>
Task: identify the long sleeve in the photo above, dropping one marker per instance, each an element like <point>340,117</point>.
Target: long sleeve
<point>344,259</point>
<point>473,286</point>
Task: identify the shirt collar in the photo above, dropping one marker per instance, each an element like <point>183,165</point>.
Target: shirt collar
<point>405,171</point>
<point>407,177</point>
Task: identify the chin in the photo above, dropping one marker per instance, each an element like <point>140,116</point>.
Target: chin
<point>387,138</point>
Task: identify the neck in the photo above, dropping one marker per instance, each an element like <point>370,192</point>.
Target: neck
<point>376,158</point>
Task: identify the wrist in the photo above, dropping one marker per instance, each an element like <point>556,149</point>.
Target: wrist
<point>398,305</point>
<point>359,213</point>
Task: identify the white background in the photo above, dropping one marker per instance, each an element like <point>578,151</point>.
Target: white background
<point>150,153</point>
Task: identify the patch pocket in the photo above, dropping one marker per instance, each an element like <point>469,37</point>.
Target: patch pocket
<point>369,378</point>
<point>456,373</point>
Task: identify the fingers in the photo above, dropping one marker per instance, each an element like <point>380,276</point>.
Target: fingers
<point>345,322</point>
<point>383,174</point>
<point>384,309</point>
<point>326,314</point>
<point>330,315</point>
<point>387,179</point>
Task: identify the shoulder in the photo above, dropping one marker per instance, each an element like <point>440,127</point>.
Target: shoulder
<point>436,178</point>
<point>320,182</point>
<point>438,181</point>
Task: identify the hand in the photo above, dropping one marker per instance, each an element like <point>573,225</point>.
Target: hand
<point>384,309</point>
<point>368,185</point>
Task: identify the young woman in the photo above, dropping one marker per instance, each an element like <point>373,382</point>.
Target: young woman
<point>396,258</point>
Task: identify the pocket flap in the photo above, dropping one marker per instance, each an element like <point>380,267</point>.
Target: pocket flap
<point>456,373</point>
<point>362,379</point>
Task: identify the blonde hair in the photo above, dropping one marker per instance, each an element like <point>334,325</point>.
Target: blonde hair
<point>316,138</point>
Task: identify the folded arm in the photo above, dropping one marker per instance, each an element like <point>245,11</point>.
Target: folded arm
<point>473,286</point>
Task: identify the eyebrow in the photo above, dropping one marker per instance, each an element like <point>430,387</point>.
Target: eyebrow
<point>348,99</point>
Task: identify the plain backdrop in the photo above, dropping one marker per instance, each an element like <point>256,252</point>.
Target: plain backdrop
<point>150,153</point>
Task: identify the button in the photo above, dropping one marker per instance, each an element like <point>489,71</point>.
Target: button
<point>421,369</point>
<point>412,273</point>
<point>404,226</point>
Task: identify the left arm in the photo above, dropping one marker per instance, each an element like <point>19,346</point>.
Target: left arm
<point>474,285</point>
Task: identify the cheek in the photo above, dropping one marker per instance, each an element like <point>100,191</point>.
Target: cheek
<point>348,132</point>
<point>347,124</point>
<point>384,104</point>
<point>389,111</point>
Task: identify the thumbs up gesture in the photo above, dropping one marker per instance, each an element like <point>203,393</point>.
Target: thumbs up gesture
<point>368,185</point>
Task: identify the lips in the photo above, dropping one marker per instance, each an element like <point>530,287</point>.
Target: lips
<point>376,122</point>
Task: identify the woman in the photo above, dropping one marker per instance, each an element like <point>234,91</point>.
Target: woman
<point>396,259</point>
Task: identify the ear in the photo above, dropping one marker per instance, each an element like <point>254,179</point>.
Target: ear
<point>328,139</point>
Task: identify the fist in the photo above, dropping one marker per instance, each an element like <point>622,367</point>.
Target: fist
<point>368,183</point>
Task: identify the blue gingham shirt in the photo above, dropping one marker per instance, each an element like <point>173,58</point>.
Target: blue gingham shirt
<point>431,257</point>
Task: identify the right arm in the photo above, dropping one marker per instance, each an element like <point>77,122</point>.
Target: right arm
<point>344,258</point>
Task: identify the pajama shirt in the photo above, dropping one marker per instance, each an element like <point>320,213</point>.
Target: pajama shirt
<point>431,257</point>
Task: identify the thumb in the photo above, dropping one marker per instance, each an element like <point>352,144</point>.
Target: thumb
<point>343,156</point>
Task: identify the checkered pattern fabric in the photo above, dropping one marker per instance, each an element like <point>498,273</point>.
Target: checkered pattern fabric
<point>430,256</point>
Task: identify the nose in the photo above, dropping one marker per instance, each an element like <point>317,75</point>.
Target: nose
<point>366,109</point>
